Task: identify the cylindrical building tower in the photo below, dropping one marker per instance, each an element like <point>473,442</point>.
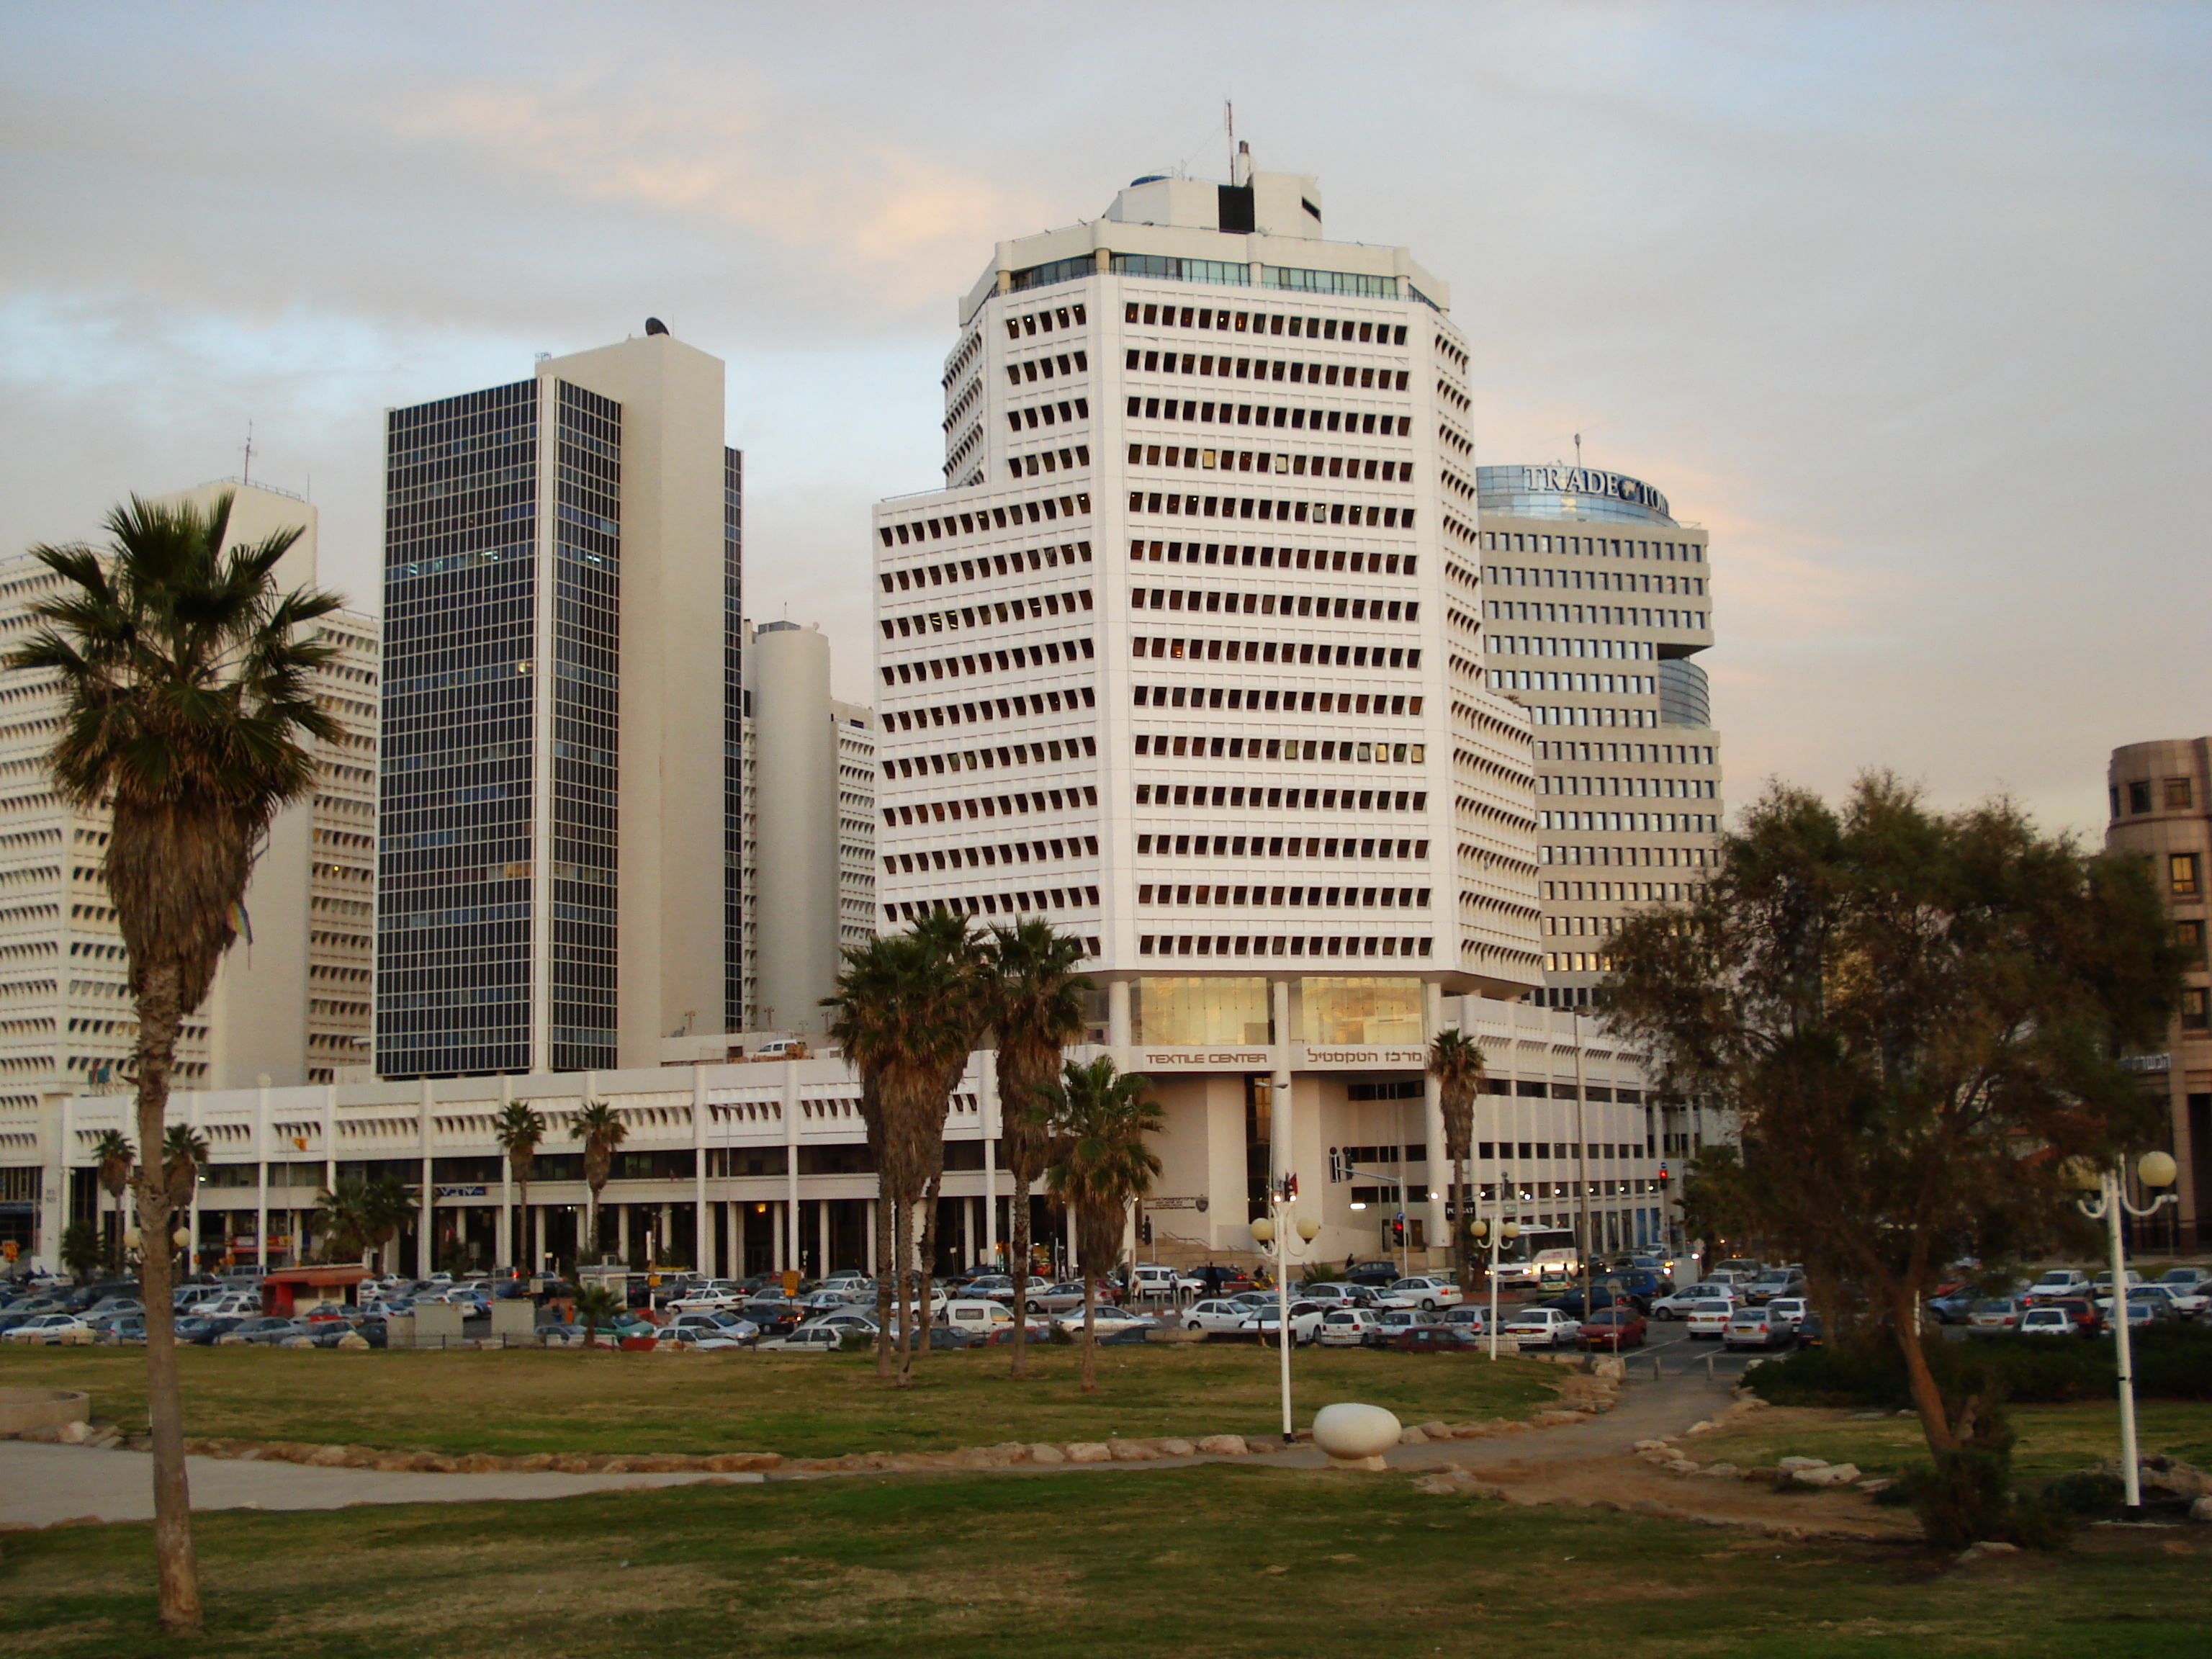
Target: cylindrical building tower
<point>795,826</point>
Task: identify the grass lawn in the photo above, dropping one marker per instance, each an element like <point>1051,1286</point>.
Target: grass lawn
<point>517,1401</point>
<point>2053,1440</point>
<point>1216,1560</point>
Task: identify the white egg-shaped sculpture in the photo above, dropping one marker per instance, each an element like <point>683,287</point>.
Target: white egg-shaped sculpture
<point>1355,1437</point>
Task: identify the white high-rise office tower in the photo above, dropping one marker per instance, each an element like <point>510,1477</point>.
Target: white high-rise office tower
<point>1596,605</point>
<point>289,1006</point>
<point>1187,658</point>
<point>562,797</point>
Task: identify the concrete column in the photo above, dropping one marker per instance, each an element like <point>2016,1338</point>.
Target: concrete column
<point>261,1171</point>
<point>502,1253</point>
<point>1432,1125</point>
<point>621,1231</point>
<point>1119,1037</point>
<point>702,1225</point>
<point>329,1137</point>
<point>822,1263</point>
<point>795,828</point>
<point>733,1240</point>
<point>427,1215</point>
<point>789,1239</point>
<point>967,1231</point>
<point>782,1233</point>
<point>990,1110</point>
<point>875,1261</point>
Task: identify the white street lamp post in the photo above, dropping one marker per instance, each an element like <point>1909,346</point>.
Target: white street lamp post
<point>2157,1169</point>
<point>1275,1239</point>
<point>1496,1234</point>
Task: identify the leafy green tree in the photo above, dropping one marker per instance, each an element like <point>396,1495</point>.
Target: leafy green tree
<point>1919,1019</point>
<point>188,716</point>
<point>342,1220</point>
<point>114,1156</point>
<point>1100,1118</point>
<point>1455,1061</point>
<point>1715,1205</point>
<point>601,1129</point>
<point>1038,1007</point>
<point>520,1129</point>
<point>81,1249</point>
<point>184,1155</point>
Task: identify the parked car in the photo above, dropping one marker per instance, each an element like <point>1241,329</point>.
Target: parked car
<point>703,1337</point>
<point>1708,1319</point>
<point>726,1326</point>
<point>2058,1282</point>
<point>1954,1306</point>
<point>2143,1309</point>
<point>371,1330</point>
<point>271,1331</point>
<point>1603,1297</point>
<point>1152,1278</point>
<point>1993,1315</point>
<point>2046,1320</point>
<point>1541,1327</point>
<point>47,1329</point>
<point>1787,1310</point>
<point>1391,1323</point>
<point>1347,1328</point>
<point>1763,1290</point>
<point>1678,1303</point>
<point>1339,1295</point>
<point>2191,1281</point>
<point>1104,1320</point>
<point>1266,1323</point>
<point>2184,1302</point>
<point>1423,1292</point>
<point>1471,1315</point>
<point>1612,1328</point>
<point>1437,1339</point>
<point>1055,1299</point>
<point>975,1314</point>
<point>1215,1315</point>
<point>1751,1328</point>
<point>2102,1283</point>
<point>719,1295</point>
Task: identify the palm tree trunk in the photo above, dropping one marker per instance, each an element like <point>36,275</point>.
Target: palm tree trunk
<point>159,1017</point>
<point>902,1268</point>
<point>1018,1248</point>
<point>929,1256</point>
<point>886,1280</point>
<point>1089,1333</point>
<point>522,1261</point>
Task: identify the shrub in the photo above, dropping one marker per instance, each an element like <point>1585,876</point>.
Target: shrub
<point>2171,1362</point>
<point>1966,1497</point>
<point>2089,1492</point>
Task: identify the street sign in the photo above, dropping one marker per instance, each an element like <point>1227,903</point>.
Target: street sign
<point>1201,1203</point>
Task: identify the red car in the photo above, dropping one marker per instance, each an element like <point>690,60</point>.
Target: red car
<point>1613,1327</point>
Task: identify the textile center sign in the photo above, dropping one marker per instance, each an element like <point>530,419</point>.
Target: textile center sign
<point>1588,481</point>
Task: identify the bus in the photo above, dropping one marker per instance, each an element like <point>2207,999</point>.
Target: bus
<point>1546,1256</point>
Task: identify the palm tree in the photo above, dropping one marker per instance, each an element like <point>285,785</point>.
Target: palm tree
<point>184,1155</point>
<point>518,1130</point>
<point>1101,1119</point>
<point>188,717</point>
<point>388,1207</point>
<point>905,1011</point>
<point>341,1219</point>
<point>597,1305</point>
<point>1038,1007</point>
<point>115,1154</point>
<point>601,1129</point>
<point>1455,1061</point>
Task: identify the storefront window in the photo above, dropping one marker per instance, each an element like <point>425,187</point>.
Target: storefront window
<point>1192,1012</point>
<point>1361,1011</point>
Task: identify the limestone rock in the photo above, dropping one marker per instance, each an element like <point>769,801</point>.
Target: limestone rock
<point>353,1339</point>
<point>1650,1445</point>
<point>1223,1445</point>
<point>1796,1465</point>
<point>1410,1436</point>
<point>1721,1471</point>
<point>530,1462</point>
<point>1089,1451</point>
<point>1041,1453</point>
<point>479,1463</point>
<point>1130,1451</point>
<point>738,1462</point>
<point>73,1434</point>
<point>328,1457</point>
<point>1176,1447</point>
<point>1434,1431</point>
<point>299,1341</point>
<point>1829,1474</point>
<point>2201,1509</point>
<point>1984,1548</point>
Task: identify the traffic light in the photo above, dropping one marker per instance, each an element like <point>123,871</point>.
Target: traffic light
<point>1144,1229</point>
<point>1290,1189</point>
<point>1397,1231</point>
<point>1664,1178</point>
<point>1335,1164</point>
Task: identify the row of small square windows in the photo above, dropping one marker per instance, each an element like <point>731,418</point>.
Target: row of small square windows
<point>1005,853</point>
<point>984,519</point>
<point>992,806</point>
<point>1296,945</point>
<point>1292,465</point>
<point>1287,558</point>
<point>1332,898</point>
<point>1019,901</point>
<point>1342,656</point>
<point>1290,751</point>
<point>1234,507</point>
<point>1253,797</point>
<point>1296,419</point>
<point>1326,703</point>
<point>1262,322</point>
<point>983,566</point>
<point>952,713</point>
<point>1031,656</point>
<point>1276,846</point>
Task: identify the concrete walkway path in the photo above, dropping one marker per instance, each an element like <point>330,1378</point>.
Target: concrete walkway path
<point>40,1484</point>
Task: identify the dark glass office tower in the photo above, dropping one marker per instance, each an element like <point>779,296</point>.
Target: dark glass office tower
<point>559,802</point>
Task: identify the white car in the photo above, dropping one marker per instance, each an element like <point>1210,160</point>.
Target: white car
<point>1474,1315</point>
<point>1678,1305</point>
<point>1216,1314</point>
<point>975,1316</point>
<point>1788,1312</point>
<point>1106,1321</point>
<point>1346,1328</point>
<point>1423,1293</point>
<point>709,1298</point>
<point>807,1339</point>
<point>1150,1278</point>
<point>48,1328</point>
<point>2046,1322</point>
<point>2058,1282</point>
<point>1306,1323</point>
<point>845,1319</point>
<point>1709,1318</point>
<point>1541,1327</point>
<point>705,1338</point>
<point>714,1324</point>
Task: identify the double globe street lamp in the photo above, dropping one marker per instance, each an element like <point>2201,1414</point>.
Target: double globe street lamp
<point>1495,1234</point>
<point>2155,1169</point>
<point>1273,1234</point>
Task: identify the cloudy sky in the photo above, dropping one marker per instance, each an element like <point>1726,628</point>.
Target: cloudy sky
<point>1906,304</point>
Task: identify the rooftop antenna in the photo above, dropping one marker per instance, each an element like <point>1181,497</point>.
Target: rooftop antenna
<point>246,474</point>
<point>1578,452</point>
<point>1230,104</point>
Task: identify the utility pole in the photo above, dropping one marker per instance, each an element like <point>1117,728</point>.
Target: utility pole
<point>1582,1161</point>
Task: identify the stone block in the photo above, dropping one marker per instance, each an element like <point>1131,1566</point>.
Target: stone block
<point>1223,1445</point>
<point>328,1457</point>
<point>1131,1451</point>
<point>1089,1451</point>
<point>1410,1436</point>
<point>1044,1454</point>
<point>1828,1475</point>
<point>1176,1447</point>
<point>1795,1464</point>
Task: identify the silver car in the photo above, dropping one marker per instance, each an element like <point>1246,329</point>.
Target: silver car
<point>1544,1327</point>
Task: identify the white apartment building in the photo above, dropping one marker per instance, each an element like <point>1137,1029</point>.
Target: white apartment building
<point>289,1006</point>
<point>1596,605</point>
<point>1188,659</point>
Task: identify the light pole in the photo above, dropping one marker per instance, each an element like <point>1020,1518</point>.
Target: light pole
<point>2156,1170</point>
<point>1274,1237</point>
<point>1379,1175</point>
<point>1495,1234</point>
